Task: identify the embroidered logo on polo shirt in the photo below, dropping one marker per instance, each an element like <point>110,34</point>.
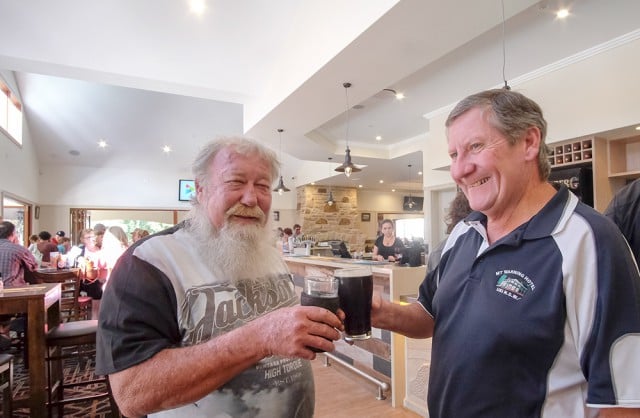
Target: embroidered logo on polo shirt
<point>514,283</point>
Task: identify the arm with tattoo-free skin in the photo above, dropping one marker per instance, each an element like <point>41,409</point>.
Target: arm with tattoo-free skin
<point>177,376</point>
<point>409,320</point>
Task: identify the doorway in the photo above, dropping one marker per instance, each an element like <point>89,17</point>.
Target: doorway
<point>18,212</point>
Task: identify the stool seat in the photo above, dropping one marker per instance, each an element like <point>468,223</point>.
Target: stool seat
<point>73,329</point>
<point>73,340</point>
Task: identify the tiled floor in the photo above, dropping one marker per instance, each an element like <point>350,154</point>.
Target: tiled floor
<point>342,393</point>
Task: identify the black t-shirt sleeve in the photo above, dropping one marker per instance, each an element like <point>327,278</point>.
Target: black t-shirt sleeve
<point>138,316</point>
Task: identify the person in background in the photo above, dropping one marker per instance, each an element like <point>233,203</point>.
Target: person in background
<point>202,320</point>
<point>57,237</point>
<point>458,210</point>
<point>93,268</point>
<point>286,234</point>
<point>45,246</point>
<point>64,245</point>
<point>33,243</point>
<point>624,211</point>
<point>387,246</point>
<point>138,233</point>
<point>14,261</point>
<point>113,245</point>
<point>297,232</point>
<point>14,258</point>
<point>534,308</point>
<point>99,230</point>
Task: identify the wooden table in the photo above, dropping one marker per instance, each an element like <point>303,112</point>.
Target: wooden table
<point>54,275</point>
<point>41,303</point>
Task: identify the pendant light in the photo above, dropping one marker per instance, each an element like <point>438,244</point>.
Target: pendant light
<point>504,52</point>
<point>410,203</point>
<point>281,188</point>
<point>330,200</point>
<point>347,167</point>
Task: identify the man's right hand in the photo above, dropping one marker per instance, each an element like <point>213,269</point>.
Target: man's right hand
<point>289,332</point>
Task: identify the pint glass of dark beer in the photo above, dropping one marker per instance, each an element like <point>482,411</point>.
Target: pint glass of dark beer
<point>320,291</point>
<point>355,290</point>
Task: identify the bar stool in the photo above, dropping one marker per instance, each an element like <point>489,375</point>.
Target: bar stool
<point>6,384</point>
<point>75,339</point>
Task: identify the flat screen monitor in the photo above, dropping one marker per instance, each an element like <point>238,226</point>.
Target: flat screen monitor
<point>412,203</point>
<point>186,190</point>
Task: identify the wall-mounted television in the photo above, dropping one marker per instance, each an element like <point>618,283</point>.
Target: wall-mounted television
<point>186,190</point>
<point>412,203</point>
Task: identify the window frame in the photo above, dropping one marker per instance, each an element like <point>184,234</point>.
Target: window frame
<point>11,118</point>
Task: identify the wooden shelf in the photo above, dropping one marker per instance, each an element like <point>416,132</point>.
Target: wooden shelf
<point>624,158</point>
<point>631,175</point>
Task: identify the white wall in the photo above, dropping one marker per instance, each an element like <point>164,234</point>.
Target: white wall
<point>589,105</point>
<point>18,165</point>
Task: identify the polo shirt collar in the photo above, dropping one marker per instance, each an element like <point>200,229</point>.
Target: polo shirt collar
<point>551,218</point>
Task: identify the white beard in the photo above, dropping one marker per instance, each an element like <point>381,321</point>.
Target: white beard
<point>237,252</point>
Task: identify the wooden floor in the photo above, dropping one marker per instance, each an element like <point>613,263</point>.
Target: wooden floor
<point>342,393</point>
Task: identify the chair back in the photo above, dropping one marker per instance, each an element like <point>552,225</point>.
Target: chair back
<point>69,292</point>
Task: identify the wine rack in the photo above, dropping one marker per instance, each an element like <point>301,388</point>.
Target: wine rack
<point>570,152</point>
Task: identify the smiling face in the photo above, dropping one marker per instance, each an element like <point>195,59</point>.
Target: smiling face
<point>238,190</point>
<point>492,172</point>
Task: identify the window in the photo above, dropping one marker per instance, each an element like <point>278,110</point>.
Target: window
<point>410,229</point>
<point>10,113</point>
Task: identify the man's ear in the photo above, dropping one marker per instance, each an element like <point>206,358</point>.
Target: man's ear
<point>532,140</point>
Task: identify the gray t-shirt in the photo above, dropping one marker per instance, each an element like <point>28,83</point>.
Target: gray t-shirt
<point>160,295</point>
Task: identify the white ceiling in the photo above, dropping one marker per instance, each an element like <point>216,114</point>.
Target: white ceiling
<point>149,73</point>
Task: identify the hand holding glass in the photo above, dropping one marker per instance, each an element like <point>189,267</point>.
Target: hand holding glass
<point>320,291</point>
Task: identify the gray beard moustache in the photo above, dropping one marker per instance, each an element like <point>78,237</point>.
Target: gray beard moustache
<point>234,252</point>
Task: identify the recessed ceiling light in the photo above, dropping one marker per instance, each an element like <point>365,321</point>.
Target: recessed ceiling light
<point>638,128</point>
<point>378,138</point>
<point>419,173</point>
<point>393,190</point>
<point>360,186</point>
<point>166,149</point>
<point>562,13</point>
<point>380,181</point>
<point>102,143</point>
<point>400,96</point>
<point>197,7</point>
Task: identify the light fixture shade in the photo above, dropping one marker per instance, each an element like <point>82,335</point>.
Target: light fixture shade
<point>347,167</point>
<point>330,200</point>
<point>411,203</point>
<point>280,188</point>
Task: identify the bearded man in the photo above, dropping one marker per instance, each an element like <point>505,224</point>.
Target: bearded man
<point>202,319</point>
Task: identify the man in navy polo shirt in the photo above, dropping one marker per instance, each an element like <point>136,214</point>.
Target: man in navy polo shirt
<point>534,308</point>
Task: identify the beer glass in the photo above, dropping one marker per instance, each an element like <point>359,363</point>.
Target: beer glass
<point>320,291</point>
<point>355,290</point>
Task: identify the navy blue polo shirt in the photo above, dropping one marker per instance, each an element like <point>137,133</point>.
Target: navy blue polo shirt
<point>541,323</point>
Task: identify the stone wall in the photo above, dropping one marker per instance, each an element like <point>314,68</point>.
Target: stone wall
<point>340,221</point>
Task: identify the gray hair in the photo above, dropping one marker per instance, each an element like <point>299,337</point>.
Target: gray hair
<point>512,114</point>
<point>241,145</point>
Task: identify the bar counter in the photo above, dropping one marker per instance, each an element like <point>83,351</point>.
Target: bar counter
<point>383,356</point>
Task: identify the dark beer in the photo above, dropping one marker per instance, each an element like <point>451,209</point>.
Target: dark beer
<point>329,302</point>
<point>320,291</point>
<point>355,300</point>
